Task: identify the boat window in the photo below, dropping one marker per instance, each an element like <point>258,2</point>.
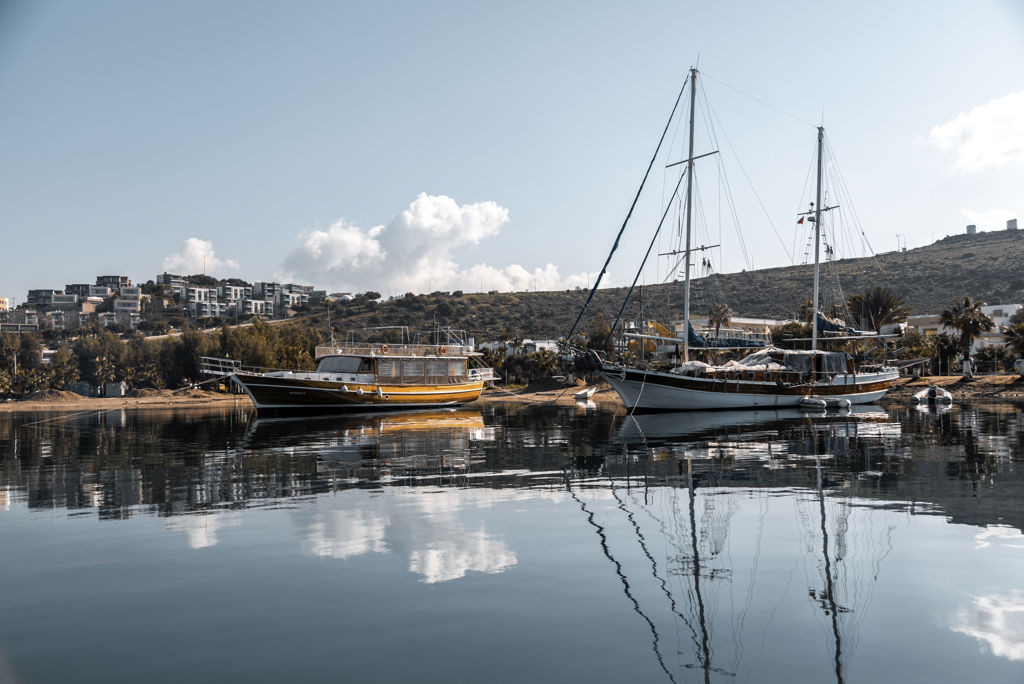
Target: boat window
<point>456,369</point>
<point>339,364</point>
<point>413,368</point>
<point>366,366</point>
<point>387,369</point>
<point>436,368</point>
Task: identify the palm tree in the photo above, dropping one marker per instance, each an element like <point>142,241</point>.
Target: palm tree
<point>877,306</point>
<point>967,317</point>
<point>721,315</point>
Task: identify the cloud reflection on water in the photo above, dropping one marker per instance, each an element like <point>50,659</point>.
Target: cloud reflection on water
<point>996,620</point>
<point>431,529</point>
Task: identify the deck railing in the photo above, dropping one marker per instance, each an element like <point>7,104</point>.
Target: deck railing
<point>387,349</point>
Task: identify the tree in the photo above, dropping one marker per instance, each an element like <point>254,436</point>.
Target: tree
<point>806,311</point>
<point>877,306</point>
<point>944,347</point>
<point>30,356</point>
<point>994,358</point>
<point>1015,337</point>
<point>721,315</point>
<point>967,317</point>
<point>913,345</point>
<point>599,334</point>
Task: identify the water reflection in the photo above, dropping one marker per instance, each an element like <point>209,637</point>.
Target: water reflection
<point>997,621</point>
<point>686,547</point>
<point>434,531</point>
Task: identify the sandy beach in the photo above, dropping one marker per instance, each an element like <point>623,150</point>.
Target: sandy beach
<point>981,388</point>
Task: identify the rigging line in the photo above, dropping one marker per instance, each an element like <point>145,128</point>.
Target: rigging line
<point>642,541</point>
<point>803,194</point>
<point>644,262</point>
<point>629,214</point>
<point>599,529</point>
<point>759,100</point>
<point>760,202</point>
<point>709,116</point>
<point>847,199</point>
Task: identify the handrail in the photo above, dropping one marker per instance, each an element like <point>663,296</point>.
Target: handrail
<point>385,350</point>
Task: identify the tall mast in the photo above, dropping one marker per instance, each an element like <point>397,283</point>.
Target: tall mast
<point>817,245</point>
<point>689,212</point>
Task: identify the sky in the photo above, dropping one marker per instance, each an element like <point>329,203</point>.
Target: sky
<point>420,146</point>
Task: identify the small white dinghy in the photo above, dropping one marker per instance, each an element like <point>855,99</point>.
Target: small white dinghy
<point>585,393</point>
<point>932,394</point>
<point>822,403</point>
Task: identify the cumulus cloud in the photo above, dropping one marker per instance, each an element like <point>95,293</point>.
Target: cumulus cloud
<point>993,220</point>
<point>414,253</point>
<point>988,136</point>
<point>197,256</point>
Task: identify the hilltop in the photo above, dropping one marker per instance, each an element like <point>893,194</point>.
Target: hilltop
<point>987,266</point>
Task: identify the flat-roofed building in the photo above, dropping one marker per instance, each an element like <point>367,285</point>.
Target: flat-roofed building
<point>64,301</point>
<point>79,289</point>
<point>41,297</point>
<point>128,299</point>
<point>113,281</point>
<point>257,307</point>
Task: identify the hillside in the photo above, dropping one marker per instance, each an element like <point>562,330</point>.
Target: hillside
<point>987,266</point>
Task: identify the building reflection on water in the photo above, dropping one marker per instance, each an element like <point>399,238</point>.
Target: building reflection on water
<point>177,462</point>
<point>961,463</point>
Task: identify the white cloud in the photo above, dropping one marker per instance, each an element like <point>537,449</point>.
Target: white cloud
<point>197,256</point>
<point>414,253</point>
<point>988,136</point>
<point>992,220</point>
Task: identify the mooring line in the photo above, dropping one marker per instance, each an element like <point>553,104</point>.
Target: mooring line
<point>70,415</point>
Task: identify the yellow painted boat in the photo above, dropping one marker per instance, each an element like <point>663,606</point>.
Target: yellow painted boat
<point>364,377</point>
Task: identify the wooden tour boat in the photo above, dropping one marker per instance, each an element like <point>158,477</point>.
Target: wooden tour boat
<point>365,377</point>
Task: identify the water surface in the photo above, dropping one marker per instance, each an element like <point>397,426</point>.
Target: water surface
<point>511,543</point>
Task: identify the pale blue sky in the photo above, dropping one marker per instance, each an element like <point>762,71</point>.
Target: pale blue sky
<point>128,128</point>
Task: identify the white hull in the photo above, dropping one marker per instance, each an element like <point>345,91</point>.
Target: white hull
<point>660,391</point>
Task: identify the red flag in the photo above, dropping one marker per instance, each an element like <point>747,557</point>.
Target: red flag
<point>801,220</point>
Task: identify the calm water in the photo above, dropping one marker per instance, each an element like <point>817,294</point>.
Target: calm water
<point>513,544</point>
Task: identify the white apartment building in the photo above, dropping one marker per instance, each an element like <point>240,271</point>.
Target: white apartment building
<point>128,299</point>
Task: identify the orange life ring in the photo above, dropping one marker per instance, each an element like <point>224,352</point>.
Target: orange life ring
<point>383,349</point>
<point>441,350</point>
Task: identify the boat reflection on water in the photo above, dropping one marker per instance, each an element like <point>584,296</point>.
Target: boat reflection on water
<point>685,428</point>
<point>413,442</point>
<point>679,482</point>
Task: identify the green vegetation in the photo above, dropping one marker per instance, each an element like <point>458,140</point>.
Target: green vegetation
<point>967,317</point>
<point>99,356</point>
<point>721,315</point>
<point>877,306</point>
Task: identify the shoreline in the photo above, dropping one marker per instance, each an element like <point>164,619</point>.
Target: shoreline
<point>980,388</point>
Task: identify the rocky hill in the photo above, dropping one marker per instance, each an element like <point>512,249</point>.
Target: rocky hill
<point>987,266</point>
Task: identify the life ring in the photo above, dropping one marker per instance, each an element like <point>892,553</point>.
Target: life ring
<point>384,349</point>
<point>441,350</point>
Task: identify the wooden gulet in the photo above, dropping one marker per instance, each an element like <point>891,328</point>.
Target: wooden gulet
<point>369,378</point>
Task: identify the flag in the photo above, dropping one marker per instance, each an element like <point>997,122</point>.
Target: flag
<point>801,220</point>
